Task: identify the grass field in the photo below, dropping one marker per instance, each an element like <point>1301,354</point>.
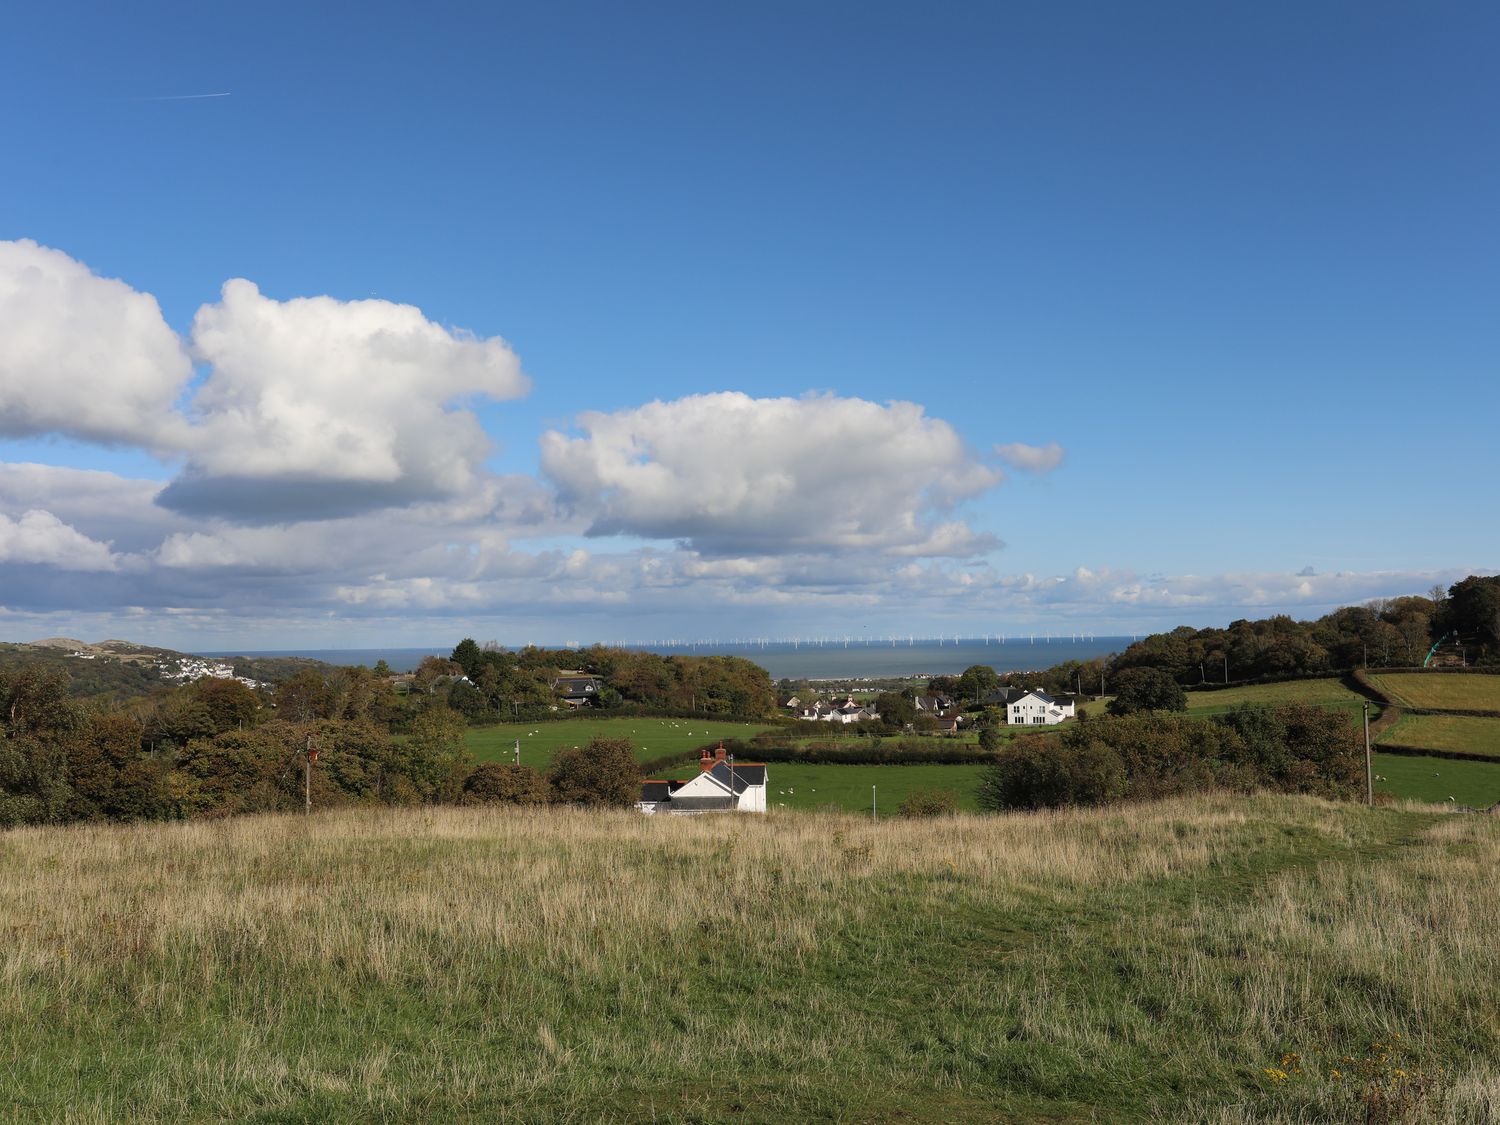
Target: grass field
<point>1476,784</point>
<point>1323,692</point>
<point>1150,963</point>
<point>795,785</point>
<point>1441,691</point>
<point>652,738</point>
<point>1462,734</point>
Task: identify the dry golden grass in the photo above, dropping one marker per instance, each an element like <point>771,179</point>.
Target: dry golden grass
<point>423,964</point>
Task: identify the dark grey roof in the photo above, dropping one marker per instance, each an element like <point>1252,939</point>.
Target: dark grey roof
<point>655,790</point>
<point>1017,694</point>
<point>744,775</point>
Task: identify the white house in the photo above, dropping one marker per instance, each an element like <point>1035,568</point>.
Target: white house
<point>722,785</point>
<point>846,712</point>
<point>1037,708</point>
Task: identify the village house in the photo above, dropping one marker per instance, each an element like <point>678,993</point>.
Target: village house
<point>1037,708</point>
<point>722,785</point>
<point>938,705</point>
<point>576,689</point>
<point>845,712</point>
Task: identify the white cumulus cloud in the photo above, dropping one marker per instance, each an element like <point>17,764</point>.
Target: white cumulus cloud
<point>736,475</point>
<point>40,537</point>
<point>84,355</point>
<point>1031,458</point>
<point>317,407</point>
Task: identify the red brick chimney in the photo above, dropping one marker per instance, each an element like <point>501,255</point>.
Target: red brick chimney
<point>719,753</point>
<point>705,761</point>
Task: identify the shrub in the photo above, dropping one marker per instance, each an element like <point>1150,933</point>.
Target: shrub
<point>1298,748</point>
<point>1293,749</point>
<point>1146,689</point>
<point>929,802</point>
<point>603,773</point>
<point>503,783</point>
<point>1039,774</point>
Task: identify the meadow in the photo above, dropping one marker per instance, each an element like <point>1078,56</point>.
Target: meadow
<point>1217,959</point>
<point>1441,691</point>
<point>1320,693</point>
<point>1462,734</point>
<point>652,738</point>
<point>1475,784</point>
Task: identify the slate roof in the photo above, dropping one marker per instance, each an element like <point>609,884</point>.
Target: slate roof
<point>655,790</point>
<point>1015,695</point>
<point>745,775</point>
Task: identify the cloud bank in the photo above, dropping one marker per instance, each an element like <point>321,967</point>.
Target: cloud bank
<point>326,482</point>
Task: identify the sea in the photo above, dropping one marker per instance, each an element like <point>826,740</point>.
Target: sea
<point>813,660</point>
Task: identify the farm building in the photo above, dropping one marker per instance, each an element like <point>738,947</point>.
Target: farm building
<point>722,785</point>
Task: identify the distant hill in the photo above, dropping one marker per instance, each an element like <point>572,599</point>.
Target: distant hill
<point>121,669</point>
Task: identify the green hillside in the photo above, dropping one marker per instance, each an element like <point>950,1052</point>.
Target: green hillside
<point>1461,734</point>
<point>1321,692</point>
<point>1441,691</point>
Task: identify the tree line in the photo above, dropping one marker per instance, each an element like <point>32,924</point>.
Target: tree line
<point>216,748</point>
<point>1386,632</point>
<point>505,686</point>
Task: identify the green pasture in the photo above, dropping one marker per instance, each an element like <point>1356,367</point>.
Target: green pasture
<point>1476,784</point>
<point>1462,734</point>
<point>1318,693</point>
<point>796,785</point>
<point>1441,691</point>
<point>652,738</point>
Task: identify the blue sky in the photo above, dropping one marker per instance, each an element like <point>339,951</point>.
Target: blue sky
<point>1238,262</point>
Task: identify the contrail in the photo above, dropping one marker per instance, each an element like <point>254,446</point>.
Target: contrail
<point>182,97</point>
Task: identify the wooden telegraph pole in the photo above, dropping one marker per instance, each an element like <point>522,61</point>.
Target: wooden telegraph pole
<point>1369,762</point>
<point>309,756</point>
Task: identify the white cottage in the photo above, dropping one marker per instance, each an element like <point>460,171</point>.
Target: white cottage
<point>1037,708</point>
<point>722,785</point>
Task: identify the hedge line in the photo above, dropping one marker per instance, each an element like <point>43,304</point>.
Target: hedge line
<point>1422,752</point>
<point>873,755</point>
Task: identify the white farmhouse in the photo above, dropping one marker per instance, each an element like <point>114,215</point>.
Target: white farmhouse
<point>1037,708</point>
<point>722,785</point>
